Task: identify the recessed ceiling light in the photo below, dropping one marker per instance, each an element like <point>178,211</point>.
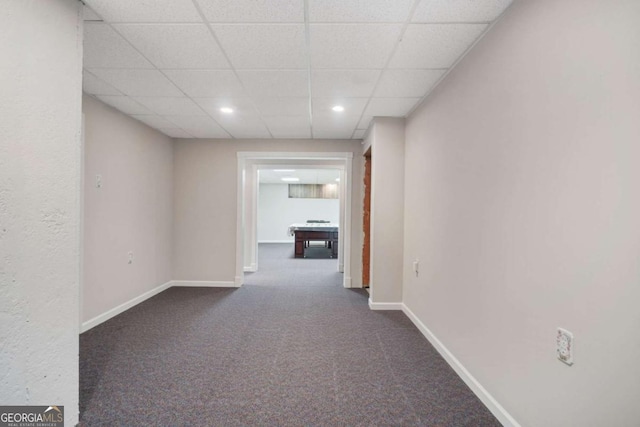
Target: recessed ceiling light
<point>338,108</point>
<point>227,110</point>
<point>284,170</point>
<point>290,179</point>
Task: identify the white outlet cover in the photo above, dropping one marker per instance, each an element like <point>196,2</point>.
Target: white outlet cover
<point>564,346</point>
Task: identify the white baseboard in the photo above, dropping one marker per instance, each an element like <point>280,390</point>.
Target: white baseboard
<point>203,284</point>
<point>489,401</point>
<point>385,305</point>
<point>276,241</point>
<point>123,307</point>
<point>250,268</point>
<point>347,282</point>
<point>137,300</point>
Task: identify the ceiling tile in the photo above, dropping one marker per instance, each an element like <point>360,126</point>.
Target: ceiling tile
<point>247,127</point>
<point>390,107</point>
<point>322,107</point>
<point>359,133</point>
<point>93,85</point>
<point>282,106</point>
<point>407,83</point>
<point>334,127</point>
<point>154,121</point>
<point>263,46</point>
<point>252,10</point>
<point>199,126</point>
<point>89,15</point>
<point>175,133</point>
<point>124,104</point>
<point>346,120</point>
<point>343,83</point>
<point>289,126</point>
<point>459,10</point>
<point>274,83</point>
<point>332,132</point>
<point>138,82</point>
<point>365,122</point>
<point>175,45</point>
<point>265,41</point>
<point>104,48</point>
<point>241,107</point>
<point>146,10</point>
<point>356,11</point>
<point>171,106</point>
<point>352,45</point>
<point>206,83</point>
<point>244,122</point>
<point>434,45</point>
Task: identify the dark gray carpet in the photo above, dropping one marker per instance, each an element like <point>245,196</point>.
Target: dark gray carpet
<point>298,352</point>
<point>278,267</point>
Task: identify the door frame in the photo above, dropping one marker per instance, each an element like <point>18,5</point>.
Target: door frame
<point>247,203</point>
<point>366,221</point>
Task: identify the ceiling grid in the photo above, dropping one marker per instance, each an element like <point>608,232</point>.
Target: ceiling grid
<point>275,68</point>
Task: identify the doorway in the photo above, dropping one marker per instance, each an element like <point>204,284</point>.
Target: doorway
<point>248,187</point>
<point>299,209</point>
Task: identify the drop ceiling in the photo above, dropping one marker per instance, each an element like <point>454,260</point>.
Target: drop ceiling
<point>281,65</point>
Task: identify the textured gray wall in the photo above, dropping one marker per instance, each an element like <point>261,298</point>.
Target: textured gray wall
<point>40,164</point>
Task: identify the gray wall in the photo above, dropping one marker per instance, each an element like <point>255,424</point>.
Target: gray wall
<point>40,178</point>
<point>386,139</point>
<point>521,201</point>
<point>205,205</point>
<point>131,212</point>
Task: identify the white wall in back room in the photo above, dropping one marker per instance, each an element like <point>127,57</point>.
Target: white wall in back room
<point>276,212</point>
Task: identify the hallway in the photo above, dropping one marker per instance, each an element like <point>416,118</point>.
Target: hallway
<point>299,350</point>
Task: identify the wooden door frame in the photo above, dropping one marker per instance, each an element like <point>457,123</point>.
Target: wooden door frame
<point>366,221</point>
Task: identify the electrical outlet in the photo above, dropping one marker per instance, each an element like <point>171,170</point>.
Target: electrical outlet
<point>130,257</point>
<point>98,181</point>
<point>564,346</point>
